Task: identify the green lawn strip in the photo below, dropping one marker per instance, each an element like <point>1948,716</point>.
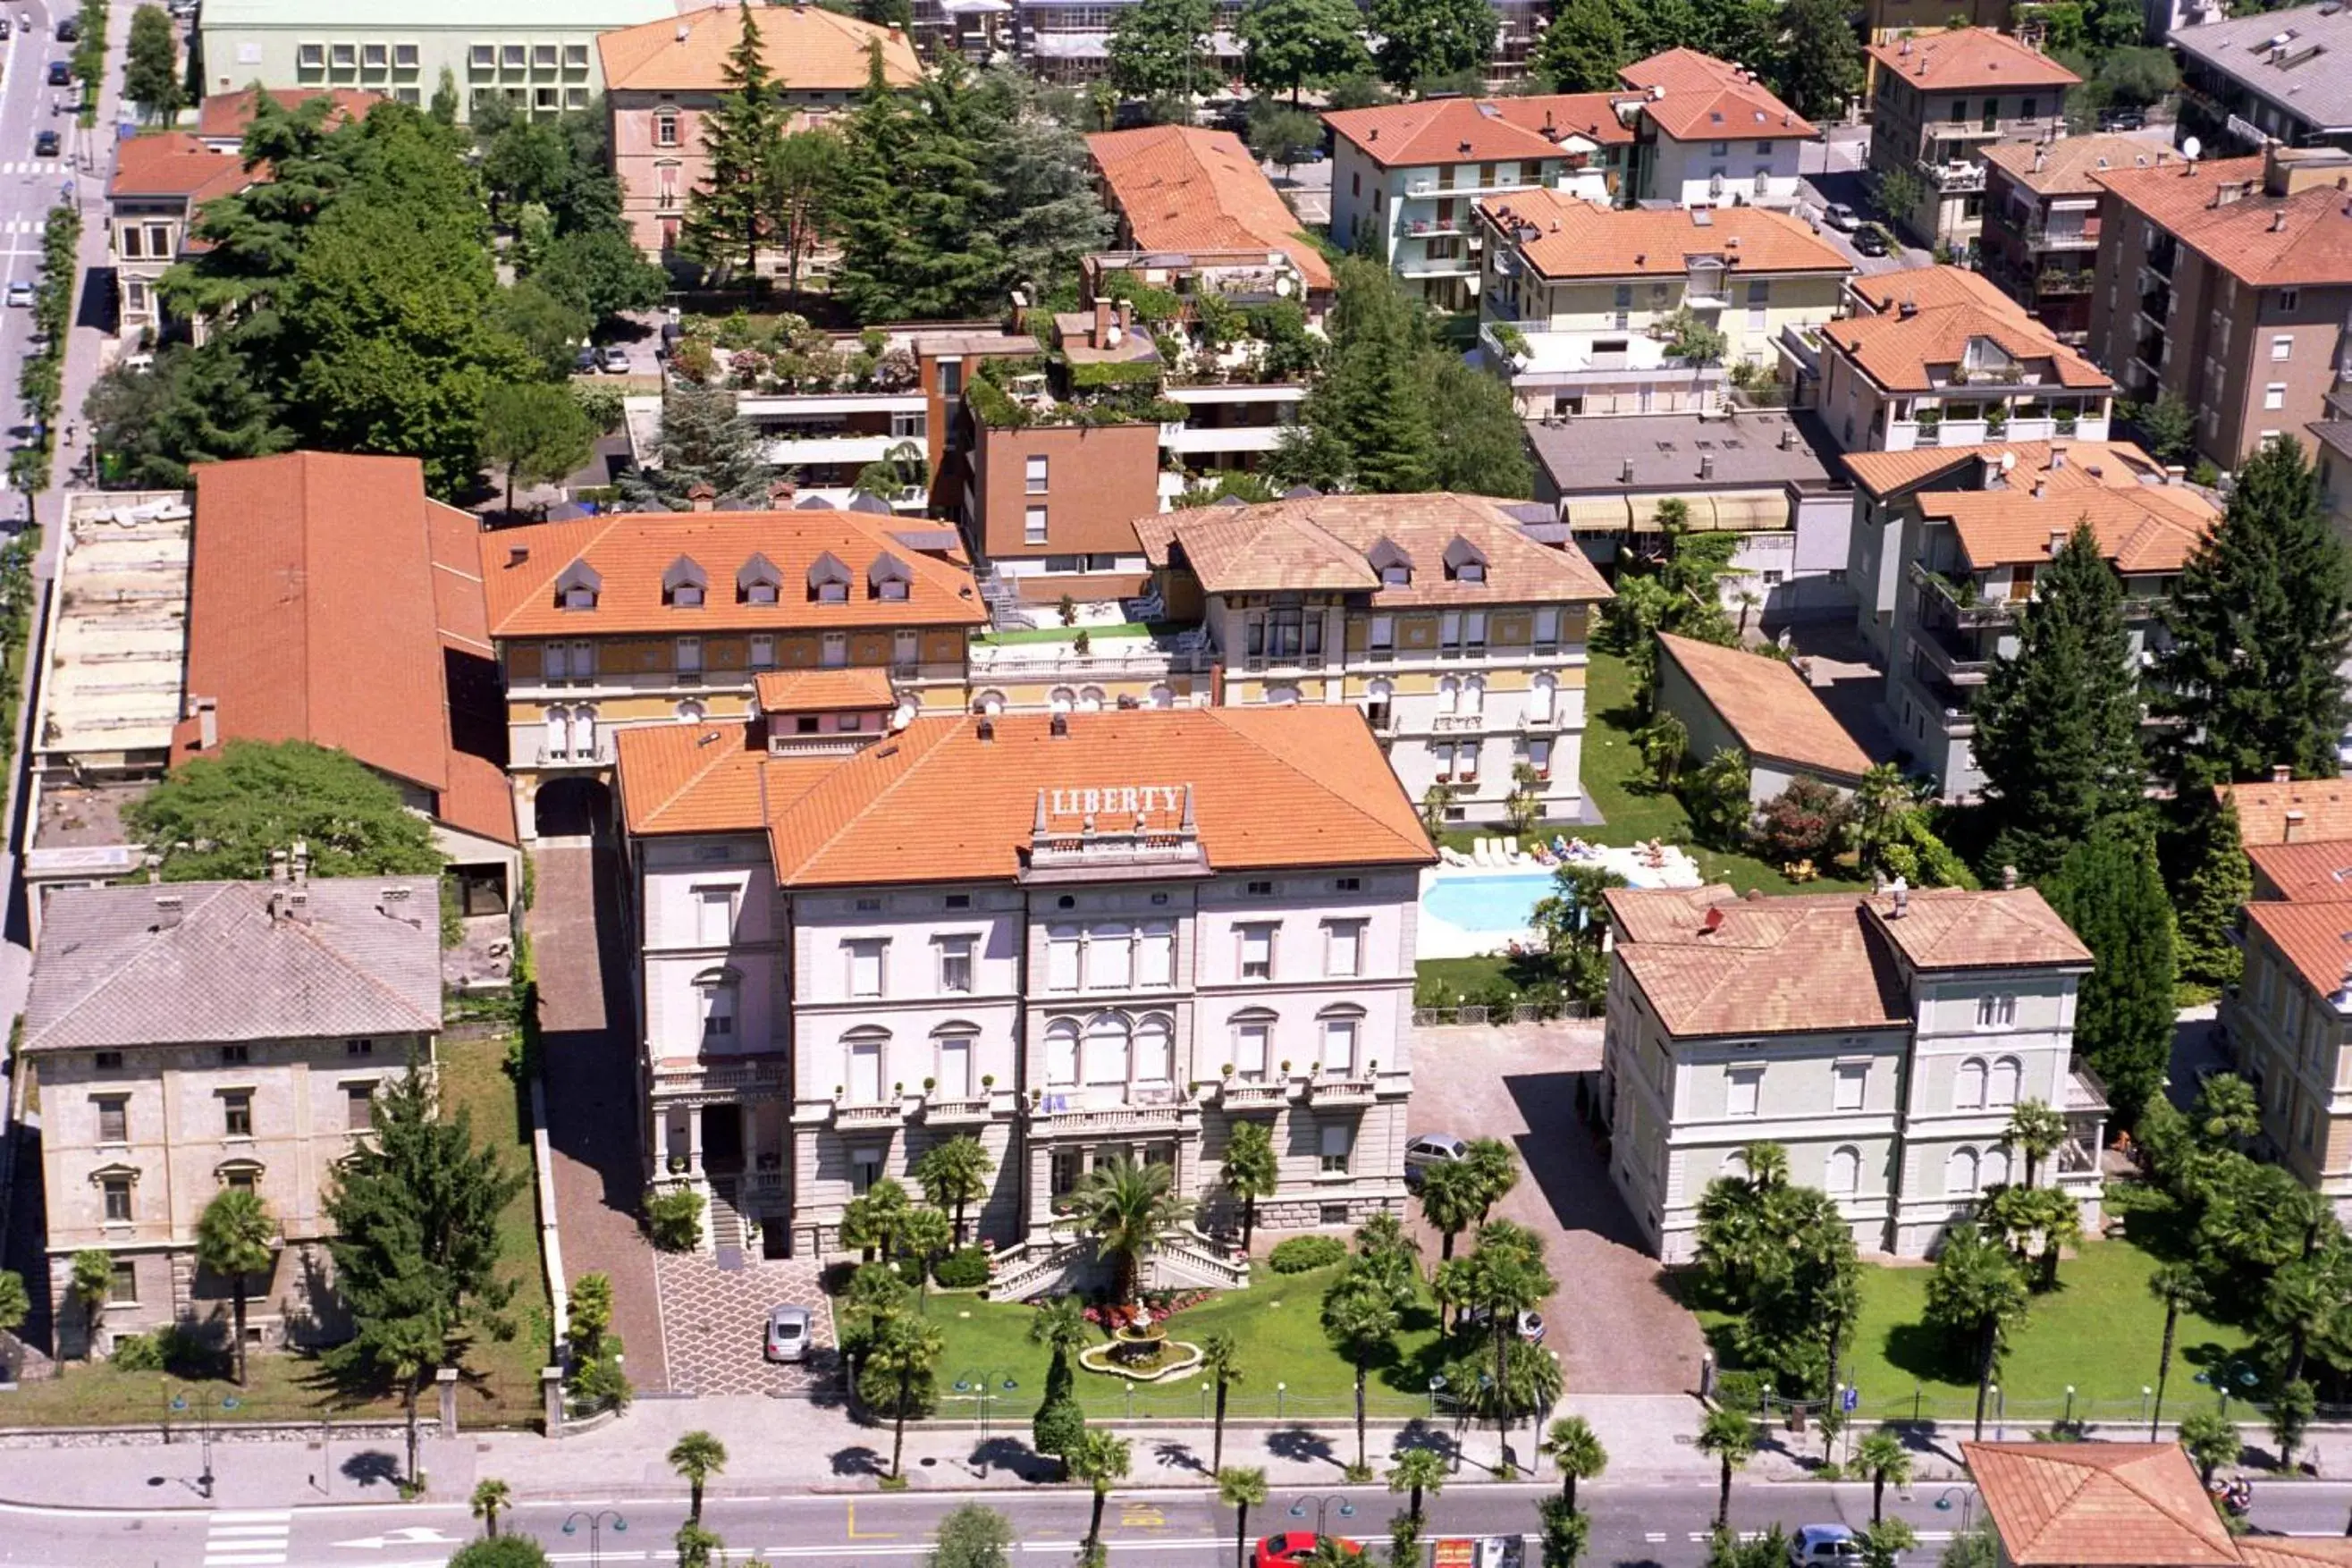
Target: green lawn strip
<point>2100,1331</point>
<point>1276,1321</point>
<point>289,1386</point>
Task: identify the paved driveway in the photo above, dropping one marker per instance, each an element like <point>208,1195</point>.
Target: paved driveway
<point>714,1322</point>
<point>1614,1326</point>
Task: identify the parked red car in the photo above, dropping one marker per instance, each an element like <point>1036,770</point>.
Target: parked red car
<point>1292,1546</point>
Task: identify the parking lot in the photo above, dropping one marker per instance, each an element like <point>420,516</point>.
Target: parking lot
<point>714,1320</point>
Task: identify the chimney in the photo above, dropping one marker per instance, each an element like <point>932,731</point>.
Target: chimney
<point>2057,456</point>
<point>278,864</point>
<point>168,910</point>
<point>2008,878</point>
<point>1060,727</point>
<point>2057,535</point>
<point>1102,320</point>
<point>1127,315</point>
<point>985,731</point>
<point>701,497</point>
<point>1901,892</point>
<point>1707,464</point>
<point>684,32</point>
<point>1787,438</point>
<point>2291,830</point>
<point>781,494</point>
<point>1625,472</point>
<point>297,905</point>
<point>1714,921</point>
<point>2280,773</point>
<point>2278,220</point>
<point>1908,308</point>
<point>155,864</point>
<point>300,862</point>
<point>517,554</point>
<point>2037,490</point>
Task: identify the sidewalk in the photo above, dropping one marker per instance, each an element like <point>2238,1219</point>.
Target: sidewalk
<point>827,1452</point>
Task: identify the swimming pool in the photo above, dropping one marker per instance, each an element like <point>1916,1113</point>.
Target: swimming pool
<point>1501,905</point>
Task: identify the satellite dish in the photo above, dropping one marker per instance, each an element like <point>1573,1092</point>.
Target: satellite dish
<point>1282,288</point>
<point>2008,461</point>
<point>2191,148</point>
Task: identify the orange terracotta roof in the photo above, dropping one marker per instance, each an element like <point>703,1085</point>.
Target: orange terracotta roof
<point>1961,58</point>
<point>2065,167</point>
<point>1480,129</point>
<point>1561,236</point>
<point>1702,99</point>
<point>2268,241</point>
<point>1761,966</point>
<point>630,553</point>
<point>226,116</point>
<point>299,560</point>
<point>1328,542</point>
<point>2136,1504</point>
<point>2301,811</point>
<point>454,539</point>
<point>2295,1551</point>
<point>1909,353</point>
<point>690,778</point>
<point>1951,928</point>
<point>2316,872</point>
<point>2118,463</point>
<point>1183,188</point>
<point>2313,934</point>
<point>1271,787</point>
<point>2141,529</point>
<point>1929,288</point>
<point>174,163</point>
<point>856,687</point>
<point>1770,707</point>
<point>807,48</point>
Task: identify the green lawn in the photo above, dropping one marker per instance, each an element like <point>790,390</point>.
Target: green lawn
<point>504,1390</point>
<point>1275,1321</point>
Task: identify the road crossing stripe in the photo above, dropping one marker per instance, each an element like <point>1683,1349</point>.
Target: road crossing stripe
<point>253,1516</point>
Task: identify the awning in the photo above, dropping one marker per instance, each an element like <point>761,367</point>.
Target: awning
<point>1598,516</point>
<point>1757,512</point>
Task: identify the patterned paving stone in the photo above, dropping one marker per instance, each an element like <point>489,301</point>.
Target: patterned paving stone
<point>714,1323</point>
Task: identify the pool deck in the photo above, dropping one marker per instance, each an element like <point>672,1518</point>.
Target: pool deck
<point>1438,937</point>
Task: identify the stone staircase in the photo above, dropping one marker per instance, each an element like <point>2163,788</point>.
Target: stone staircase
<point>726,1221</point>
<point>1187,1258</point>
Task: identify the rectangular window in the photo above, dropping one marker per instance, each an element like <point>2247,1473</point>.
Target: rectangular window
<point>1037,475</point>
<point>906,648</point>
<point>542,56</point>
<point>2282,347</point>
<point>1547,629</point>
<point>131,244</point>
<point>511,57</point>
<point>689,658</point>
<point>2288,298</point>
<point>1062,959</point>
<point>1339,1140</point>
<point>714,916</point>
<point>404,56</point>
<point>866,966</point>
<point>375,56</point>
<point>950,378</point>
<point>763,651</point>
<point>955,1069</point>
<point>482,57</point>
<point>1156,955</point>
<point>237,1114</point>
<point>955,963</point>
<point>1996,1012</point>
<point>1251,1040</point>
<point>359,1100</point>
<point>1343,951</point>
<point>1382,635</point>
<point>1256,951</point>
<point>832,650</point>
<point>575,56</point>
<point>311,57</point>
<point>113,1121</point>
<point>1743,1088</point>
<point>118,1201</point>
<point>1540,756</point>
<point>864,1169</point>
<point>911,426</point>
<point>1110,958</point>
<point>1062,1055</point>
<point>2274,394</point>
<point>666,127</point>
<point>236,1056</point>
<point>122,1284</point>
<point>1032,526</point>
<point>1340,1047</point>
<point>1853,1080</point>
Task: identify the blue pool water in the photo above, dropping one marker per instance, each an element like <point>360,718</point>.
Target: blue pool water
<point>1501,905</point>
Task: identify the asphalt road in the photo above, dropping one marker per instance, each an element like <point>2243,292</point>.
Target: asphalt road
<point>1634,1525</point>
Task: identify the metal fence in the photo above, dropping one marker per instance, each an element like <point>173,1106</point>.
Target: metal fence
<point>2069,1413</point>
<point>1516,1012</point>
<point>1189,1399</point>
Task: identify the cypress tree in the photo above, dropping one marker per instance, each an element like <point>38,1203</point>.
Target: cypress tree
<point>2211,883</point>
<point>912,213</point>
<point>2259,625</point>
<point>2109,890</point>
<point>726,215</point>
<point>2058,722</point>
<point>1374,404</point>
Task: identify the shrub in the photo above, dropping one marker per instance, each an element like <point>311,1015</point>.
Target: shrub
<point>139,1352</point>
<point>676,1218</point>
<point>962,1270</point>
<point>1301,1253</point>
<point>1806,821</point>
<point>600,1382</point>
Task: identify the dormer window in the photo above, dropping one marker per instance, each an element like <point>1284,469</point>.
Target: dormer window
<point>828,580</point>
<point>1395,567</point>
<point>577,587</point>
<point>887,578</point>
<point>683,584</point>
<point>759,583</point>
<point>1465,562</point>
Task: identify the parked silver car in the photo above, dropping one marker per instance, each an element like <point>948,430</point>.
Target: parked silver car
<point>1432,1149</point>
<point>788,1333</point>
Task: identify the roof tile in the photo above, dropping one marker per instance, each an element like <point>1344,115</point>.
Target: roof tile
<point>807,48</point>
<point>1562,236</point>
<point>1185,188</point>
<point>1434,131</point>
<point>1770,707</point>
<point>2218,210</point>
<point>1961,58</point>
<point>2099,1505</point>
<point>1702,99</point>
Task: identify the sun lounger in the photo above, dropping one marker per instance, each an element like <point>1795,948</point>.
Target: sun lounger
<point>1511,849</point>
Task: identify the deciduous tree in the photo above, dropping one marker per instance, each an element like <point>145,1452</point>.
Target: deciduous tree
<point>1819,60</point>
<point>151,71</point>
<point>1583,49</point>
<point>1426,38</point>
<point>1159,48</point>
<point>537,432</point>
<point>1287,45</point>
<point>223,817</point>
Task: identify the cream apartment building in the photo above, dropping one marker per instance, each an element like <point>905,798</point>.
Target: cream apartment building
<point>1578,299</point>
<point>1711,134</point>
<point>189,1037</point>
<point>1461,640</point>
<point>159,186</point>
<point>1073,936</point>
<point>2287,1025</point>
<point>1882,1040</point>
<point>1939,99</point>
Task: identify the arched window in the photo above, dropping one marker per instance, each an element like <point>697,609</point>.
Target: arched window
<point>1961,1173</point>
<point>1473,694</point>
<point>559,734</point>
<point>1106,1060</point>
<point>1845,1170</point>
<point>690,711</point>
<point>862,1083</point>
<point>903,714</point>
<point>1061,700</point>
<point>1090,700</point>
<point>1282,696</point>
<point>1162,696</point>
<point>1339,1035</point>
<point>990,702</point>
<point>1155,1050</point>
<point>1994,1168</point>
<point>1253,1046</point>
<point>1540,698</point>
<point>1061,1052</point>
<point>583,732</point>
<point>2008,1073</point>
<point>1449,693</point>
<point>1969,1085</point>
<point>716,991</point>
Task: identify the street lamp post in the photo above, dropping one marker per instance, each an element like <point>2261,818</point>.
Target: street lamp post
<point>983,1386</point>
<point>597,1530</point>
<point>203,1436</point>
<point>1322,1507</point>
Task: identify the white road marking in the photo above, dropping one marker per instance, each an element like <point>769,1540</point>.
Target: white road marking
<point>1653,1536</point>
<point>248,1538</point>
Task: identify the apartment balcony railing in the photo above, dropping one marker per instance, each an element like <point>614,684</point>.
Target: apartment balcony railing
<point>952,1110</point>
<point>718,1074</point>
<point>1949,178</point>
<point>1253,1094</point>
<point>880,1113</point>
<point>1966,610</point>
<point>2056,280</point>
<point>2072,237</point>
<point>1353,1089</point>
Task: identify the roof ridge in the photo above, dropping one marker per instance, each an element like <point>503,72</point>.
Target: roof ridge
<point>914,764</point>
<point>1220,713</point>
<point>108,982</point>
<point>309,931</point>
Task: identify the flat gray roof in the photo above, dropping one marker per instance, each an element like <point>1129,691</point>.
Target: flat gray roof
<point>389,16</point>
<point>1587,456</point>
<point>2304,75</point>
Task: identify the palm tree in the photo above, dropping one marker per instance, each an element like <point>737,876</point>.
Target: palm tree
<point>1747,599</point>
<point>1449,1201</point>
<point>1127,1208</point>
<point>92,1284</point>
<point>1418,1470</point>
<point>1220,1358</point>
<point>2177,1286</point>
<point>1731,1438</point>
<point>1506,1277</point>
<point>871,1221</point>
<point>1251,1172</point>
<point>1330,1551</point>
<point>1100,1461</point>
<point>1497,1170</point>
<point>925,1235</point>
<point>1976,1292</point>
<point>2212,1441</point>
<point>697,1456</point>
<point>236,1238</point>
<point>2035,1129</point>
<point>490,1498</point>
<point>1241,1490</point>
<point>1884,1456</point>
<point>902,1356</point>
<point>1361,1319</point>
<point>1575,1447</point>
<point>2301,1301</point>
<point>954,1174</point>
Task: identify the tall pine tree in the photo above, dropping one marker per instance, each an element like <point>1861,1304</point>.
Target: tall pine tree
<point>2259,625</point>
<point>727,213</point>
<point>2110,891</point>
<point>912,210</point>
<point>2212,883</point>
<point>2058,722</point>
<point>1374,404</point>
